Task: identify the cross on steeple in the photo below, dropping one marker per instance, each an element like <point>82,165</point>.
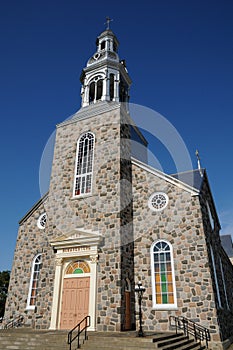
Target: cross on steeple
<point>108,20</point>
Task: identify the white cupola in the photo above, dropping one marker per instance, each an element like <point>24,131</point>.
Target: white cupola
<point>105,78</point>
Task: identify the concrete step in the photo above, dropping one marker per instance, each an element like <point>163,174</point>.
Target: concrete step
<point>176,342</point>
<point>170,339</point>
<point>27,339</point>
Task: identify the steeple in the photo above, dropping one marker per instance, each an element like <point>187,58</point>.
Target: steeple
<point>105,77</point>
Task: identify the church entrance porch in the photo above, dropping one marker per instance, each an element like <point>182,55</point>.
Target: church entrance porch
<point>75,295</point>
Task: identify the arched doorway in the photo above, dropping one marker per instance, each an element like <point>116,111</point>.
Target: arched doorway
<point>75,294</point>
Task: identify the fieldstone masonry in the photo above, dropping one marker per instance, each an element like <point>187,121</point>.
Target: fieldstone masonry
<point>117,210</point>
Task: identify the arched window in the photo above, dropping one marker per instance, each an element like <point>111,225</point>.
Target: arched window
<point>78,267</point>
<point>92,92</point>
<point>99,91</point>
<point>84,164</point>
<point>163,281</point>
<point>34,281</point>
<point>95,89</point>
<point>215,277</point>
<point>111,88</point>
<point>102,46</point>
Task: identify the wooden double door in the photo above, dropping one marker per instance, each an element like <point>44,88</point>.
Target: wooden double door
<point>75,301</point>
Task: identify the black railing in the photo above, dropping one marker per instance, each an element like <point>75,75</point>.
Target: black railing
<point>79,328</point>
<point>14,323</point>
<point>189,327</point>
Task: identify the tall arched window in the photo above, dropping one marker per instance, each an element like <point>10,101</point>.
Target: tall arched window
<point>215,278</point>
<point>163,279</point>
<point>96,89</point>
<point>111,87</point>
<point>84,164</point>
<point>34,281</point>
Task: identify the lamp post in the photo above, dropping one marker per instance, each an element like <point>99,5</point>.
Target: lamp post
<point>140,290</point>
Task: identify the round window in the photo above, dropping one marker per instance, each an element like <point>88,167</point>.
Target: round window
<point>158,201</point>
<point>41,222</point>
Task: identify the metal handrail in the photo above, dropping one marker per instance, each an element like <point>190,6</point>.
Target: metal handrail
<point>71,338</point>
<point>190,327</point>
<point>16,322</point>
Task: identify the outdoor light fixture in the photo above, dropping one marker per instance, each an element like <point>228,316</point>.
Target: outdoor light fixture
<point>140,290</point>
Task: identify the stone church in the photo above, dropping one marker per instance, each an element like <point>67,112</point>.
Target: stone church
<point>109,221</point>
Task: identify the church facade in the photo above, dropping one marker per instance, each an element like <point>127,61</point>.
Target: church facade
<point>109,221</point>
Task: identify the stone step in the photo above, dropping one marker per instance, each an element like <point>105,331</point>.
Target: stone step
<point>170,339</point>
<point>28,339</point>
<point>177,345</point>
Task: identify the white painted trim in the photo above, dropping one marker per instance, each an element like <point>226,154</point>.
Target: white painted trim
<point>56,295</point>
<point>193,191</point>
<point>85,174</point>
<point>162,306</point>
<point>90,256</point>
<point>32,307</point>
<point>215,277</point>
<point>224,283</point>
<point>150,205</point>
<point>39,221</point>
<point>210,215</point>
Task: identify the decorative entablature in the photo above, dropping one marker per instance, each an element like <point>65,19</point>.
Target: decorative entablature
<point>77,243</point>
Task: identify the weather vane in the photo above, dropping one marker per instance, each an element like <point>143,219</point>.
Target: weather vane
<point>108,20</point>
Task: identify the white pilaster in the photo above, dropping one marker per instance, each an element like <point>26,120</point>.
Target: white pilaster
<point>56,292</point>
<point>92,295</point>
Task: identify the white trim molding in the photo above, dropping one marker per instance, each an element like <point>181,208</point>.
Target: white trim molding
<point>162,269</point>
<point>34,280</point>
<point>79,245</point>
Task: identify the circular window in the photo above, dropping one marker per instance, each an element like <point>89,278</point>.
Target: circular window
<point>41,222</point>
<point>158,201</point>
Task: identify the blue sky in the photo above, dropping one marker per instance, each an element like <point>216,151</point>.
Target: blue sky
<point>179,55</point>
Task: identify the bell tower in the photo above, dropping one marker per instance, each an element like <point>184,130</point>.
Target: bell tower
<point>105,77</point>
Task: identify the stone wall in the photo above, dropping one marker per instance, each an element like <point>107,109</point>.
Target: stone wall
<point>100,211</point>
<point>222,273</point>
<point>118,209</point>
<point>31,241</point>
<point>181,224</point>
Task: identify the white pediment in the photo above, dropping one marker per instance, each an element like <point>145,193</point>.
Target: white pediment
<point>77,237</point>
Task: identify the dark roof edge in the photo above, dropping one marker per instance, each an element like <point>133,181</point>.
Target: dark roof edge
<point>36,206</point>
<point>212,198</point>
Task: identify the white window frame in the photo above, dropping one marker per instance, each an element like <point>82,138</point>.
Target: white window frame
<point>163,306</point>
<point>83,175</point>
<point>224,283</point>
<point>29,306</point>
<point>210,215</point>
<point>41,222</point>
<point>215,277</point>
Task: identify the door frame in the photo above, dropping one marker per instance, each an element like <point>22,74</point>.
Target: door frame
<point>73,276</point>
<point>61,265</point>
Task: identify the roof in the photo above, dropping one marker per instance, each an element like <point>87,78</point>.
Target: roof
<point>193,178</point>
<point>227,245</point>
<point>173,179</point>
<point>90,111</point>
<point>35,207</point>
